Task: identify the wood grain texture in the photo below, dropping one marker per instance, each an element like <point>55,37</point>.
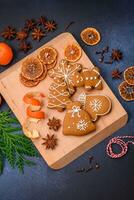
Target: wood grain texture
<point>69,147</point>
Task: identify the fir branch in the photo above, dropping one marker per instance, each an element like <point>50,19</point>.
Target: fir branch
<point>13,146</point>
<point>2,160</point>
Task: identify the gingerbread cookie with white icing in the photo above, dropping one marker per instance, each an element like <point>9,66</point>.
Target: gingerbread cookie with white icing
<point>59,96</point>
<point>66,71</point>
<point>92,79</point>
<point>95,105</point>
<point>77,122</point>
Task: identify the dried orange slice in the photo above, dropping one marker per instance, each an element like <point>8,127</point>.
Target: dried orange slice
<point>32,68</point>
<point>72,52</point>
<point>90,36</point>
<point>48,55</point>
<point>52,65</point>
<point>43,76</point>
<point>126,91</point>
<point>28,83</point>
<point>129,75</point>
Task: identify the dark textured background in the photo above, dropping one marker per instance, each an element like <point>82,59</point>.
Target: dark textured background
<point>115,179</point>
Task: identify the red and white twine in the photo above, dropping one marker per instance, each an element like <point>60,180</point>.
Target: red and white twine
<point>118,141</point>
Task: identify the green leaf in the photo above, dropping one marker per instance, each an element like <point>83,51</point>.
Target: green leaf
<point>13,146</point>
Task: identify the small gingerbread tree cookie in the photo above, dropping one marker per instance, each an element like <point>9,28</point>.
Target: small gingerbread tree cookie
<point>58,96</point>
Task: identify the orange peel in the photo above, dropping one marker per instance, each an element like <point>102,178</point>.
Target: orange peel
<point>35,114</point>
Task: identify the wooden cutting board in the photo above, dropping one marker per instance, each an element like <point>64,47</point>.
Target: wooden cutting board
<point>69,147</point>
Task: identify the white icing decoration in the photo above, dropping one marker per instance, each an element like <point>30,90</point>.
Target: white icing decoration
<point>86,78</point>
<point>82,125</point>
<point>91,78</point>
<point>88,86</point>
<point>98,83</point>
<point>59,102</point>
<point>75,110</point>
<point>66,73</point>
<point>96,72</point>
<point>95,104</point>
<point>82,98</point>
<point>81,78</point>
<point>78,81</point>
<point>68,127</point>
<point>95,77</point>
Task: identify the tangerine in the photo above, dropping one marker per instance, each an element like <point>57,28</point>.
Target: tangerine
<point>6,54</point>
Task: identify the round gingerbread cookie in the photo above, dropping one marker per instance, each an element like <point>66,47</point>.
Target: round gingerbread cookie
<point>95,105</point>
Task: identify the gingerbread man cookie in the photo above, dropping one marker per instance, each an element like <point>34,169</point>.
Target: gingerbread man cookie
<point>78,80</point>
<point>66,71</point>
<point>95,105</point>
<point>77,122</point>
<point>92,79</point>
<point>58,96</point>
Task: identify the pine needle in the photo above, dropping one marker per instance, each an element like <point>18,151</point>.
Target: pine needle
<point>13,146</point>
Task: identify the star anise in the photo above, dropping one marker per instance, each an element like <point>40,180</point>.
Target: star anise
<point>30,24</point>
<point>116,55</point>
<point>50,141</point>
<point>21,35</point>
<point>41,21</point>
<point>54,124</point>
<point>116,74</point>
<point>37,34</point>
<point>24,46</point>
<point>8,33</point>
<point>50,26</point>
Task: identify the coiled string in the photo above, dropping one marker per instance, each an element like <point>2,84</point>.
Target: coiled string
<point>118,141</point>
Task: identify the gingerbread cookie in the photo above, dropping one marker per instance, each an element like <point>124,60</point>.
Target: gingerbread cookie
<point>65,71</point>
<point>78,80</point>
<point>77,122</point>
<point>129,75</point>
<point>95,105</point>
<point>92,79</point>
<point>58,96</point>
